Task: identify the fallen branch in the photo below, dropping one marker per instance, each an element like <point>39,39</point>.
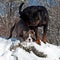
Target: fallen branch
<point>31,48</point>
<point>36,52</point>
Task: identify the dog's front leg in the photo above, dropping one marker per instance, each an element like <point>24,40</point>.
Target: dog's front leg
<point>44,34</point>
<point>37,37</point>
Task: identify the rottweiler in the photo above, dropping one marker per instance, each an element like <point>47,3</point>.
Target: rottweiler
<point>34,17</point>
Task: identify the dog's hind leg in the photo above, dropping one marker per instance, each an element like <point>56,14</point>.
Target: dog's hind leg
<point>12,28</point>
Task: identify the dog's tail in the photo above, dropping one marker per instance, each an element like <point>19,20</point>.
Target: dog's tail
<point>12,28</point>
<point>20,7</point>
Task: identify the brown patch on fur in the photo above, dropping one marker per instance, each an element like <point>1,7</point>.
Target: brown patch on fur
<point>37,22</point>
<point>32,33</point>
<point>44,38</point>
<point>44,22</point>
<point>38,41</point>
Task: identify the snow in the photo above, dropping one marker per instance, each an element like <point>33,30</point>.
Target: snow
<point>52,51</point>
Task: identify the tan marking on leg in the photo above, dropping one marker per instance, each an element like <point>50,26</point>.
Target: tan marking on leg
<point>44,38</point>
<point>38,40</point>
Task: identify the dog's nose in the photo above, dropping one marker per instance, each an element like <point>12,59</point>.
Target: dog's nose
<point>29,40</point>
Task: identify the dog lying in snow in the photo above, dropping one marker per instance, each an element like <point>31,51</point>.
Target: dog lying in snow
<point>32,17</point>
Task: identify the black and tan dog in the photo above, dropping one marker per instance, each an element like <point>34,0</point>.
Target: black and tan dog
<point>33,17</point>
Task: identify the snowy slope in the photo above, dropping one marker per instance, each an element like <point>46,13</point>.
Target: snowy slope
<point>52,51</point>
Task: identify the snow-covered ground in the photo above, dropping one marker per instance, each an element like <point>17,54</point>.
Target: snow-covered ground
<point>52,51</point>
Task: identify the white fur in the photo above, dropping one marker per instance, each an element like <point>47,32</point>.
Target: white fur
<point>29,38</point>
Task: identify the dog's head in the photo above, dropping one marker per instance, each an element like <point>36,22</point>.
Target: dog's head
<point>29,33</point>
<point>34,19</point>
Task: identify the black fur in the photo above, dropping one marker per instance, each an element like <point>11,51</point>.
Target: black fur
<point>33,17</point>
<point>32,14</point>
<point>20,27</point>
